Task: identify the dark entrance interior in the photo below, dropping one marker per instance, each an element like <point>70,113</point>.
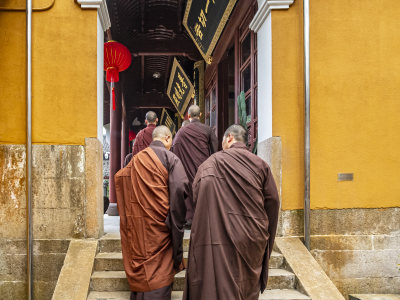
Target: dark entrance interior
<point>154,34</point>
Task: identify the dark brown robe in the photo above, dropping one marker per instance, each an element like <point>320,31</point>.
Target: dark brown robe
<point>143,139</point>
<point>193,144</point>
<point>151,192</point>
<point>234,226</point>
<point>128,159</point>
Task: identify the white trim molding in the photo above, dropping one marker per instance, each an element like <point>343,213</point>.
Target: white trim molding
<point>262,25</point>
<point>264,9</point>
<point>102,10</point>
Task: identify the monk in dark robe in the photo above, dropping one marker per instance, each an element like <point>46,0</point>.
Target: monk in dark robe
<point>128,158</point>
<point>193,144</point>
<point>144,136</point>
<point>234,225</point>
<point>151,193</point>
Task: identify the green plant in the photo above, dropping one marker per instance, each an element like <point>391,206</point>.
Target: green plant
<point>242,110</point>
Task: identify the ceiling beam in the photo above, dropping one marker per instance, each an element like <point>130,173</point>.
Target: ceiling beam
<point>148,100</point>
<point>178,45</point>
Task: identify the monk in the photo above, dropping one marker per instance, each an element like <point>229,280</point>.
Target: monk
<point>151,192</point>
<point>193,144</point>
<point>128,157</point>
<point>234,225</point>
<point>144,136</point>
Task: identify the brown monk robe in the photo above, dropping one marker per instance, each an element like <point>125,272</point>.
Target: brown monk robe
<point>193,144</point>
<point>144,136</point>
<point>234,224</point>
<point>151,192</point>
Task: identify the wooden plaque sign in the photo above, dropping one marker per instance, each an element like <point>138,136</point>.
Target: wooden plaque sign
<point>180,89</point>
<point>167,121</point>
<point>205,20</point>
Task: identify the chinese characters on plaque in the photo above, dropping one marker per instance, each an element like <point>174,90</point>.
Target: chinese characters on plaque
<point>180,89</point>
<point>167,121</point>
<point>205,20</point>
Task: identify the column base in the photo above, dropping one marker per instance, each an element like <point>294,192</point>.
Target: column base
<point>112,210</point>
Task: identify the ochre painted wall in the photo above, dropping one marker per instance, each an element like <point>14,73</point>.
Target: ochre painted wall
<point>64,75</point>
<point>355,103</point>
<point>287,97</point>
<point>12,77</point>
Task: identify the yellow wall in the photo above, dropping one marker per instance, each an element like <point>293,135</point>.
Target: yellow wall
<point>355,103</point>
<point>12,77</point>
<point>64,75</point>
<point>288,104</point>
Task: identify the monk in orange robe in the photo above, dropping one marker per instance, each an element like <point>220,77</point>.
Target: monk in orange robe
<point>151,192</point>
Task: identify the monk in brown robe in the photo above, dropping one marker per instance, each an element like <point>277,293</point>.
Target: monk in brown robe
<point>144,136</point>
<point>234,225</point>
<point>193,144</point>
<point>151,193</point>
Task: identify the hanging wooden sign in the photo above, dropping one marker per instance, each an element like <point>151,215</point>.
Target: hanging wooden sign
<point>205,20</point>
<point>180,89</point>
<point>167,121</point>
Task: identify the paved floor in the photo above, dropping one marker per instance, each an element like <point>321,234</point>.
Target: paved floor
<point>111,224</point>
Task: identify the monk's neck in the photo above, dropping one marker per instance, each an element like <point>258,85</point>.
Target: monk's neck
<point>157,144</point>
<point>151,125</point>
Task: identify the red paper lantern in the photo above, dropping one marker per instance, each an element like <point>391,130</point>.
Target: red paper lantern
<point>132,135</point>
<point>117,58</point>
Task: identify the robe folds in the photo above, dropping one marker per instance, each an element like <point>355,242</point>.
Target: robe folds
<point>143,139</point>
<point>193,144</point>
<point>151,192</point>
<point>234,226</point>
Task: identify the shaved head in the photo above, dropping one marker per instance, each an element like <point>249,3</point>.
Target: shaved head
<point>194,111</point>
<point>151,116</point>
<point>161,132</point>
<point>238,133</point>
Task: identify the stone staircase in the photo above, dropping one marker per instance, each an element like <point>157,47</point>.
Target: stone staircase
<point>108,279</point>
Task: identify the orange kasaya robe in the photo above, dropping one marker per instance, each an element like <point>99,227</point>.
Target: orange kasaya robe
<point>151,191</point>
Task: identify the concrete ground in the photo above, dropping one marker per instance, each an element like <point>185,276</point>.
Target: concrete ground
<point>111,224</point>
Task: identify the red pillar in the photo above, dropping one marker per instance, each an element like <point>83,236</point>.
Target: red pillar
<point>124,135</point>
<point>115,149</point>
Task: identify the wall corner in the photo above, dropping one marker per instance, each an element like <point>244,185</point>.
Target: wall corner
<point>94,206</point>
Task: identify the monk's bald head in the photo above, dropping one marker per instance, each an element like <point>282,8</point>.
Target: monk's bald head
<point>163,134</point>
<point>151,117</point>
<point>235,133</point>
<point>194,112</point>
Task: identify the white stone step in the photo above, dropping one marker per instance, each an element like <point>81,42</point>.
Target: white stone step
<point>110,281</point>
<point>283,294</point>
<point>123,296</point>
<point>177,295</point>
<point>111,242</point>
<point>112,261</point>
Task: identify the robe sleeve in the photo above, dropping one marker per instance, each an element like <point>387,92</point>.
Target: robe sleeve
<point>271,206</point>
<point>213,142</point>
<point>178,192</point>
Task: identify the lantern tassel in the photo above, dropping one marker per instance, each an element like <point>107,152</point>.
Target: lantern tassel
<point>113,97</point>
